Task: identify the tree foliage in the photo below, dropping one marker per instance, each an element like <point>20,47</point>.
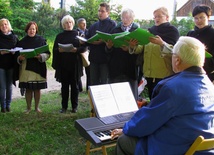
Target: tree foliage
<point>20,12</point>
<point>88,9</point>
<point>44,17</point>
<point>184,25</point>
<point>5,10</point>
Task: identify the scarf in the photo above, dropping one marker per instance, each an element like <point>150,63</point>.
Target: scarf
<point>166,31</point>
<point>126,28</point>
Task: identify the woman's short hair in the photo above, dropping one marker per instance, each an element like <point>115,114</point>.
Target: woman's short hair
<point>163,10</point>
<point>8,22</point>
<point>65,19</point>
<point>202,8</point>
<point>128,11</point>
<point>29,24</point>
<point>190,50</point>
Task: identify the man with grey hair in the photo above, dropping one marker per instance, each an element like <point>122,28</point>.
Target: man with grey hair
<point>82,30</point>
<point>181,108</point>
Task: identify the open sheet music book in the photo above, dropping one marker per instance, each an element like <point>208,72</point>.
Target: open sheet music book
<point>121,39</point>
<point>113,99</point>
<point>105,37</point>
<point>16,49</point>
<point>108,36</point>
<point>30,53</point>
<point>89,40</point>
<point>141,35</point>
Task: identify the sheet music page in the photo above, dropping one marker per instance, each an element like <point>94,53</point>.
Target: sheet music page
<point>124,97</point>
<point>104,100</point>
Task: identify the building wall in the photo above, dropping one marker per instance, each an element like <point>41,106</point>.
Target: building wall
<point>187,8</point>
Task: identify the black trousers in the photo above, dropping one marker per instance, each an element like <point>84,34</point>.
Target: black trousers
<point>70,85</point>
<point>87,72</point>
<point>151,83</point>
<point>73,87</point>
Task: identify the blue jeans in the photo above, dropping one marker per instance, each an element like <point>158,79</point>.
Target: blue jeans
<point>98,73</point>
<point>6,81</point>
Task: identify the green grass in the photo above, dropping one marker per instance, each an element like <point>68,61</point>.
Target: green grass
<point>47,133</point>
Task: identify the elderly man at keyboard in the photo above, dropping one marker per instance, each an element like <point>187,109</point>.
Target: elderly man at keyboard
<point>181,108</point>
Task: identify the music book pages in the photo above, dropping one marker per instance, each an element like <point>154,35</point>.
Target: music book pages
<point>112,99</point>
<point>16,49</point>
<point>124,97</point>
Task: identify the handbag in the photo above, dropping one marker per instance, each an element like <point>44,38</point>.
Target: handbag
<point>85,60</point>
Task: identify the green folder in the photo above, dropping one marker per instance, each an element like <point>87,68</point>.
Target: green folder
<point>30,53</point>
<point>139,34</point>
<point>42,49</point>
<point>90,40</point>
<point>208,55</point>
<point>93,38</point>
<point>108,36</point>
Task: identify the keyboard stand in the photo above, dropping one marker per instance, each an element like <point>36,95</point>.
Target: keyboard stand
<point>102,148</point>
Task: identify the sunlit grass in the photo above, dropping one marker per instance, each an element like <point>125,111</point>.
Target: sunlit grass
<point>47,133</point>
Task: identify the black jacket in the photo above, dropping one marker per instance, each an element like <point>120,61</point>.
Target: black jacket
<point>121,62</point>
<point>97,52</point>
<point>32,63</point>
<point>67,61</point>
<point>7,61</point>
<point>206,36</point>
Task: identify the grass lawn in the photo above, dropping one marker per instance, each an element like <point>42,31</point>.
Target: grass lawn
<point>47,133</point>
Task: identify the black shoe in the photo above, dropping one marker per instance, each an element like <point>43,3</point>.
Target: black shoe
<point>3,110</point>
<point>74,110</point>
<point>62,111</point>
<point>8,109</point>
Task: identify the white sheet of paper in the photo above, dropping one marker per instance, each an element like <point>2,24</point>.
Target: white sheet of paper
<point>112,99</point>
<point>124,97</point>
<point>104,100</point>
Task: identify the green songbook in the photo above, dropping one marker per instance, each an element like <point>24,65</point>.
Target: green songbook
<point>108,36</point>
<point>90,40</point>
<point>139,34</point>
<point>30,53</point>
<point>208,55</point>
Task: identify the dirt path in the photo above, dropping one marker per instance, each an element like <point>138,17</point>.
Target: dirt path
<point>52,84</point>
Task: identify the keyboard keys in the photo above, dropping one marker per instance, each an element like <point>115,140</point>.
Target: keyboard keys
<point>104,135</point>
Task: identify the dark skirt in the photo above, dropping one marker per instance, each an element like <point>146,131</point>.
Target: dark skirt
<point>33,85</point>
